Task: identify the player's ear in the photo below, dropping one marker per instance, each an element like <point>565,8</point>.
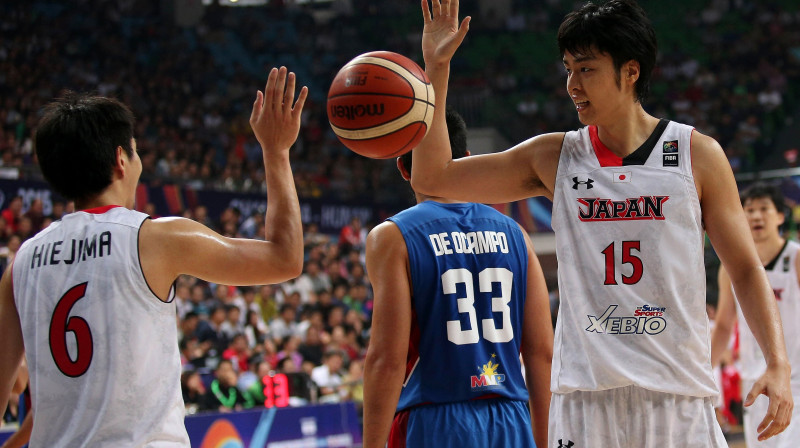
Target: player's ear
<point>121,162</point>
<point>631,71</point>
<point>403,171</point>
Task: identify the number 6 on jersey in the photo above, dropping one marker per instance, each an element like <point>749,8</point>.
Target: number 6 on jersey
<point>60,324</point>
<point>466,305</point>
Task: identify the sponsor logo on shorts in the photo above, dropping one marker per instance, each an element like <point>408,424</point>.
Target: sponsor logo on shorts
<point>488,376</point>
<point>568,444</point>
<point>646,319</point>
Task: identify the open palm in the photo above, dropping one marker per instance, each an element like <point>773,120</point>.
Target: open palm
<point>441,35</point>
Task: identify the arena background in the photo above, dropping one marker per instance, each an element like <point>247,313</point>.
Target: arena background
<point>189,70</point>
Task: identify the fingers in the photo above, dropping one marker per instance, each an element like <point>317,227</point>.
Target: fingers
<point>755,391</point>
<point>277,99</point>
<point>426,12</point>
<point>269,90</point>
<point>437,8</point>
<point>298,106</point>
<point>288,95</point>
<point>462,30</point>
<point>779,415</point>
<point>257,104</point>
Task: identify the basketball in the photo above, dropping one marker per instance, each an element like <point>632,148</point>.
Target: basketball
<point>380,104</point>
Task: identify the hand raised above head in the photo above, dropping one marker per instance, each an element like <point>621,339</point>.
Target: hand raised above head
<point>442,34</point>
<point>275,118</point>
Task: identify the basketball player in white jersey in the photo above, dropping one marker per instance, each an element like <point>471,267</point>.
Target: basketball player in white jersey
<point>92,296</point>
<point>632,195</point>
<point>764,208</point>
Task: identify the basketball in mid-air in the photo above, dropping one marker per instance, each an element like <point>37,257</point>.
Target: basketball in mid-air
<point>380,104</point>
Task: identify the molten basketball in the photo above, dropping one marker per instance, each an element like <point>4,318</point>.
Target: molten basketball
<point>380,104</point>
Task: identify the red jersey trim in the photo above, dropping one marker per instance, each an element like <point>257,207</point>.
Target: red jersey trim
<point>604,155</point>
<point>100,210</point>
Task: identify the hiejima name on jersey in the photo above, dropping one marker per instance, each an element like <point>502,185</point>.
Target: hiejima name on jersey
<point>631,274</point>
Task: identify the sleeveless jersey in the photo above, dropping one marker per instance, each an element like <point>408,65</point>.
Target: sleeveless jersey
<point>782,275</point>
<point>468,266</point>
<point>101,347</point>
<point>629,242</point>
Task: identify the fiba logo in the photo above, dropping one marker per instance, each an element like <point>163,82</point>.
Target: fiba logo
<point>355,81</point>
<point>353,112</point>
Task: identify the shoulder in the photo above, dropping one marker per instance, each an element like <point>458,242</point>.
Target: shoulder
<point>385,236</point>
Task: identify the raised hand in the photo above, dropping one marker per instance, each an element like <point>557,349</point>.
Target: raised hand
<point>275,119</point>
<point>441,34</point>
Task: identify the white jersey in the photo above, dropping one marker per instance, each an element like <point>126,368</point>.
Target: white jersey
<point>102,349</point>
<point>782,275</point>
<point>629,241</point>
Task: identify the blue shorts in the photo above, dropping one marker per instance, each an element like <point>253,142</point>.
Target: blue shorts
<point>496,422</point>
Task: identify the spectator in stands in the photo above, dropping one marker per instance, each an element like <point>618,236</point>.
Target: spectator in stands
<point>267,302</point>
<point>312,348</point>
<point>232,325</point>
<point>238,353</point>
<point>254,329</point>
<point>289,349</point>
<point>193,391</point>
<point>210,331</point>
<point>35,214</point>
<point>13,213</point>
<point>222,394</point>
<point>352,236</point>
<point>328,376</point>
<point>285,324</point>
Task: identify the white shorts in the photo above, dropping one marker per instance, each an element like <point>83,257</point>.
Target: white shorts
<point>789,438</point>
<point>632,417</point>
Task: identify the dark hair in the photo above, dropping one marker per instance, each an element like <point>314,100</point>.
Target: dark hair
<point>456,129</point>
<point>77,141</point>
<point>764,191</point>
<point>619,28</point>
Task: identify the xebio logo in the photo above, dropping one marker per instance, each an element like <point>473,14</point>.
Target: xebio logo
<point>647,319</point>
<point>352,112</point>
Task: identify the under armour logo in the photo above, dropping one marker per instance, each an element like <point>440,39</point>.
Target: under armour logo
<point>588,183</point>
<point>569,442</point>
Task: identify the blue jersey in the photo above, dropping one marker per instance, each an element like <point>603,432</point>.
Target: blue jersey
<point>468,266</point>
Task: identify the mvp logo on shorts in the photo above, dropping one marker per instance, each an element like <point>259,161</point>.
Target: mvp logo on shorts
<point>646,319</point>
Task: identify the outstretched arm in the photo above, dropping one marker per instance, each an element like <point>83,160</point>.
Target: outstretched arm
<point>537,346</point>
<point>384,368</point>
<point>174,246</point>
<point>521,172</point>
<point>727,228</point>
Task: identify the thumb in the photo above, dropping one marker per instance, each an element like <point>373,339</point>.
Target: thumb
<point>751,396</point>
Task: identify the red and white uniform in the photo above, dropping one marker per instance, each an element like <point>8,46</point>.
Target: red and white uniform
<point>782,275</point>
<point>101,347</point>
<point>632,326</point>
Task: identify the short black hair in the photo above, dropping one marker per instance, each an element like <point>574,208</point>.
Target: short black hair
<point>761,190</point>
<point>456,129</point>
<point>619,28</point>
<point>77,140</point>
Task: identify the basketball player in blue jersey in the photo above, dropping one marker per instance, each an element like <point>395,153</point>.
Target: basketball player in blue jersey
<point>459,294</point>
<point>764,207</point>
<point>92,296</point>
<point>632,197</point>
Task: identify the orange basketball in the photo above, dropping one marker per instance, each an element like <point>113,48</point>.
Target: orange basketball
<point>380,104</point>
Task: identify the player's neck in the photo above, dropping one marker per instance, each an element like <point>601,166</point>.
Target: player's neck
<point>422,198</point>
<point>625,133</point>
<point>769,248</point>
<point>113,195</point>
